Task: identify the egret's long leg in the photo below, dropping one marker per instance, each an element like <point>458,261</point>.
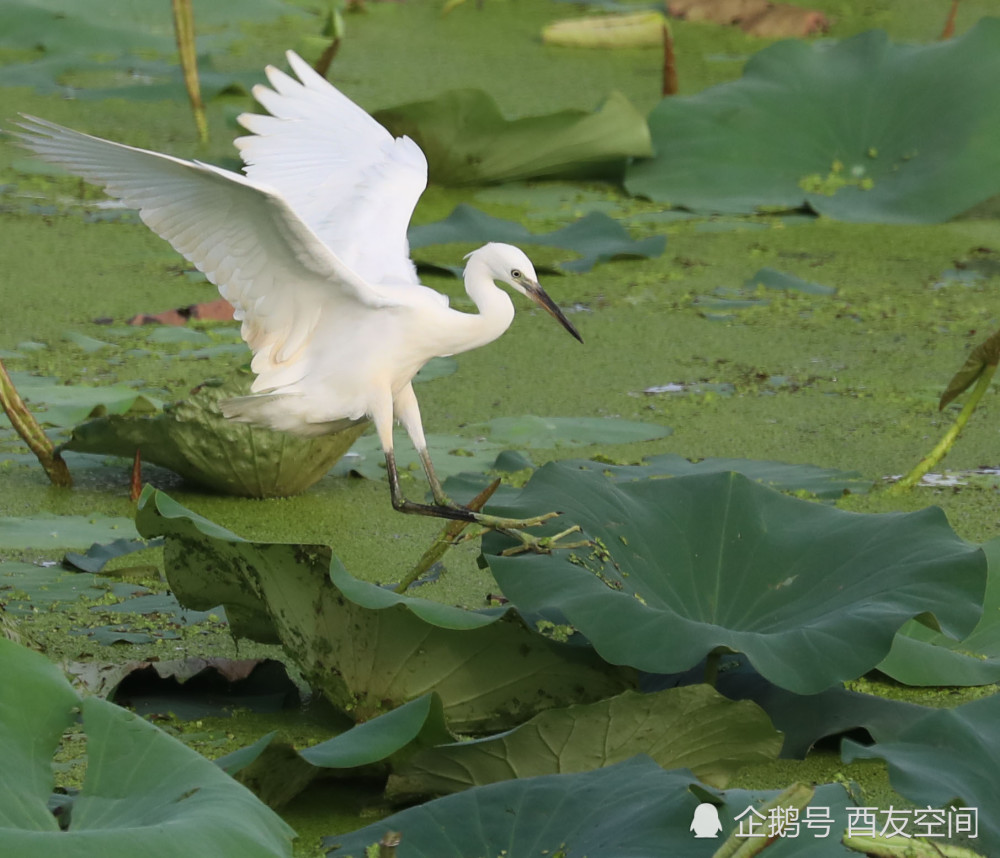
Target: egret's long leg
<point>382,417</point>
<point>408,411</point>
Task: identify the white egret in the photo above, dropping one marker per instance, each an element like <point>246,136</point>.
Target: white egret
<point>310,248</point>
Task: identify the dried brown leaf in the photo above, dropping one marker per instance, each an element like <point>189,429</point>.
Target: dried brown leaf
<point>784,21</point>
<point>218,310</point>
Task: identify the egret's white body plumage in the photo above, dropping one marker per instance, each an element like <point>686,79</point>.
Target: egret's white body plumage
<point>310,249</point>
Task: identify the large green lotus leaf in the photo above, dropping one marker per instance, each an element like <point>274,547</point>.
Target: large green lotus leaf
<point>862,130</point>
<point>193,439</point>
<point>948,755</point>
<point>596,237</point>
<point>367,648</point>
<point>811,594</point>
<point>631,810</point>
<point>145,793</point>
<point>692,727</point>
<point>922,656</point>
<point>468,142</point>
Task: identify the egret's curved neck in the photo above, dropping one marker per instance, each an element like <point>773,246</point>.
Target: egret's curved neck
<point>496,310</point>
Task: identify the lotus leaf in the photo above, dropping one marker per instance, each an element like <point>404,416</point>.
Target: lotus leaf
<point>811,594</point>
<point>546,432</point>
<point>693,727</point>
<point>145,793</point>
<point>948,757</point>
<point>27,588</point>
<point>771,278</point>
<point>98,555</point>
<point>106,27</point>
<point>596,237</point>
<point>45,531</point>
<point>163,79</point>
<point>631,810</point>
<point>825,483</point>
<point>68,404</point>
<point>468,142</point>
<point>804,719</point>
<point>193,439</point>
<point>277,772</point>
<point>454,455</point>
<point>922,656</point>
<point>861,130</point>
<point>451,454</point>
<point>367,648</point>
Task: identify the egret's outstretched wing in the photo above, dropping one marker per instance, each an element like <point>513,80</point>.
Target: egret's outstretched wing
<point>342,172</point>
<point>244,236</point>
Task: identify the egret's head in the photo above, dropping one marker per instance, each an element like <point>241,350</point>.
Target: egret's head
<point>510,265</point>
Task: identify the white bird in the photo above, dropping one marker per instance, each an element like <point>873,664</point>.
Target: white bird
<point>310,249</point>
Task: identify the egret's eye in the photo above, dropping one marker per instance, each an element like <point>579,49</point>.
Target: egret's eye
<point>515,274</point>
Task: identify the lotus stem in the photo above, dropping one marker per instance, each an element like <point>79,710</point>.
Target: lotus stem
<point>712,667</point>
<point>899,847</point>
<point>334,29</point>
<point>669,62</point>
<point>27,427</point>
<point>949,22</point>
<point>798,795</point>
<point>445,539</point>
<point>184,31</point>
<point>135,481</point>
<point>946,443</point>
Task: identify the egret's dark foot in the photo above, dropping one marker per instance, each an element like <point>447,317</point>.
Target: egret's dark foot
<point>449,511</point>
<point>540,545</point>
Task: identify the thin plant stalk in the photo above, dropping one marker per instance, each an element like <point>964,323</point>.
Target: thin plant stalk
<point>335,30</point>
<point>669,62</point>
<point>27,427</point>
<point>184,30</point>
<point>445,539</point>
<point>135,480</point>
<point>908,847</point>
<point>712,667</point>
<point>797,796</point>
<point>946,443</point>
<point>949,23</point>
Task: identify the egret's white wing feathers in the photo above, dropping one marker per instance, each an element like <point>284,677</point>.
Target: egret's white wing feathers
<point>346,176</point>
<point>242,235</point>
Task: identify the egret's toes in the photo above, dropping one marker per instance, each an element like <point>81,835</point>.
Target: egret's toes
<point>541,545</point>
<point>495,522</point>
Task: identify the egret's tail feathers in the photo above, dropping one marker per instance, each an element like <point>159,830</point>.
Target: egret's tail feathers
<point>279,411</point>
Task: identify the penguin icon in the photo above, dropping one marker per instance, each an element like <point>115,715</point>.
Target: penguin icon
<point>706,821</point>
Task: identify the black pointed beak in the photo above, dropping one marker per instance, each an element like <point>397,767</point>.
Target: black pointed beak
<point>537,294</point>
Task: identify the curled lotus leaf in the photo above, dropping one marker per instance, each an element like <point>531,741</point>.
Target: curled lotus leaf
<point>192,438</point>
